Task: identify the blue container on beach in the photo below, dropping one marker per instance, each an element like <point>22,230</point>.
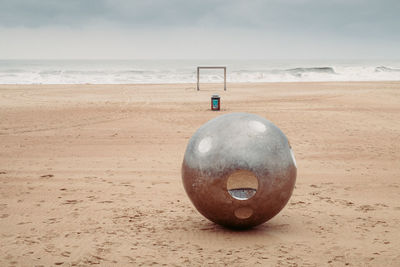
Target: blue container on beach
<point>215,102</point>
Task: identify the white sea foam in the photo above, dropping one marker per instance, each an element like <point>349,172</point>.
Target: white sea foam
<point>184,71</point>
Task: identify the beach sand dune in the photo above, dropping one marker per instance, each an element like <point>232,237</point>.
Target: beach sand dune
<point>90,174</point>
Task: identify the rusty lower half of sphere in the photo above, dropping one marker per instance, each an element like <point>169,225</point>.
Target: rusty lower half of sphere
<point>239,170</point>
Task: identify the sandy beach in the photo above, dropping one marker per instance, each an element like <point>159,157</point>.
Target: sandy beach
<point>90,174</point>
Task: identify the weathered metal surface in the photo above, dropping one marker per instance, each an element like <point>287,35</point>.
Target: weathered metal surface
<point>242,146</point>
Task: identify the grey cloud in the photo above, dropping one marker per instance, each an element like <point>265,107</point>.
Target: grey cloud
<point>74,13</point>
<point>37,13</point>
<point>351,16</point>
<point>309,28</point>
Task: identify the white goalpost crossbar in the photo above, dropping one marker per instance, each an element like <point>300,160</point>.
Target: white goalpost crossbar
<point>210,67</point>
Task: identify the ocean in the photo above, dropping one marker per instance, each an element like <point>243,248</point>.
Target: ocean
<point>184,71</point>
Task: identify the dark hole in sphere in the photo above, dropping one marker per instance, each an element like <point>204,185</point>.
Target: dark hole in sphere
<point>242,193</point>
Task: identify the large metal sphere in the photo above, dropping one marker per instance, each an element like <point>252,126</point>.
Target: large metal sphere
<point>239,170</point>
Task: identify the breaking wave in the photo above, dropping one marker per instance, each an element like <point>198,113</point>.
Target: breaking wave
<point>299,71</point>
<point>146,72</point>
<point>386,69</point>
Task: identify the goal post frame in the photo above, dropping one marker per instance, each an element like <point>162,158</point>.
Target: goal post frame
<point>210,67</point>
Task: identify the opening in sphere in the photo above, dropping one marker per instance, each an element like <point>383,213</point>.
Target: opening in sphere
<point>243,213</point>
<point>242,184</point>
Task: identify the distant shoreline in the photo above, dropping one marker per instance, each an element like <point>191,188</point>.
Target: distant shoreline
<point>194,83</point>
<point>184,71</point>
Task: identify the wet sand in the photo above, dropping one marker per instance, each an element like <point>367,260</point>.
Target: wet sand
<point>90,174</point>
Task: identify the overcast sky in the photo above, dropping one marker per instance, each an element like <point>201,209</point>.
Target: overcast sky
<point>203,29</point>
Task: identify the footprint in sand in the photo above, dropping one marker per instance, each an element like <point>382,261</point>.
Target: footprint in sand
<point>66,254</point>
<point>47,176</point>
<point>71,201</point>
<point>365,208</point>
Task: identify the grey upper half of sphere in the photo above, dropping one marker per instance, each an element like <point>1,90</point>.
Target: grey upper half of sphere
<point>239,141</point>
